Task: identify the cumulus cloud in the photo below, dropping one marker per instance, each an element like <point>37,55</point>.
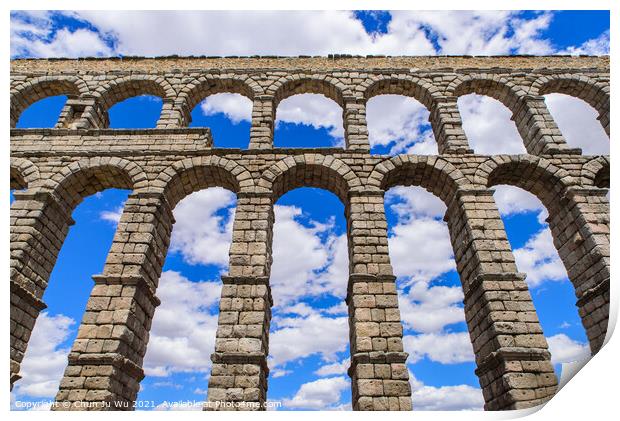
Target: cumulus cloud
<point>598,46</point>
<point>235,107</point>
<point>182,336</point>
<point>564,349</point>
<point>113,216</point>
<point>444,348</point>
<point>33,35</point>
<point>324,268</point>
<point>512,200</point>
<point>429,309</point>
<point>319,394</point>
<point>577,121</point>
<point>46,357</point>
<point>488,127</point>
<point>313,110</point>
<point>539,259</point>
<point>298,337</point>
<point>153,33</point>
<point>419,228</point>
<point>477,32</point>
<point>400,124</point>
<point>445,398</point>
<point>339,367</point>
<point>208,241</point>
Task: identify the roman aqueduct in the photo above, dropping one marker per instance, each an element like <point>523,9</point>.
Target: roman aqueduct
<point>52,170</point>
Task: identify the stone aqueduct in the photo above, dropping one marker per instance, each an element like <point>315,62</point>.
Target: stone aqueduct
<point>52,170</point>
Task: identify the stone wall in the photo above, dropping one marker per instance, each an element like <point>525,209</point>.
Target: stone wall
<point>56,168</point>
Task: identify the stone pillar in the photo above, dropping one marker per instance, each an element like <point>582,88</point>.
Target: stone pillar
<point>355,128</point>
<point>445,120</point>
<point>105,362</point>
<point>514,364</point>
<point>603,117</point>
<point>70,113</point>
<point>170,117</point>
<point>580,227</point>
<point>39,225</point>
<point>379,376</point>
<point>540,134</point>
<point>93,116</point>
<point>239,374</point>
<point>263,121</point>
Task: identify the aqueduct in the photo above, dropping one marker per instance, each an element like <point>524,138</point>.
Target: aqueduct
<point>52,170</point>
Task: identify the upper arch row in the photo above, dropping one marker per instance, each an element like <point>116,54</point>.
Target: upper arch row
<point>91,97</point>
<point>70,183</point>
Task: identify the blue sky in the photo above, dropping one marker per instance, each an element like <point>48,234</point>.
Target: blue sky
<point>307,373</point>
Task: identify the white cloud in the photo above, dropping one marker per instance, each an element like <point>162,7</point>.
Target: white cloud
<point>46,357</point>
<point>324,268</point>
<point>444,348</point>
<point>153,33</point>
<point>512,200</point>
<point>598,46</point>
<point>429,309</point>
<point>203,229</point>
<point>400,123</point>
<point>319,394</point>
<point>539,259</point>
<point>340,367</point>
<point>418,228</point>
<point>578,123</point>
<point>477,32</point>
<point>299,337</point>
<point>184,326</point>
<point>234,106</point>
<point>487,123</point>
<point>313,110</point>
<point>32,35</point>
<point>445,398</point>
<point>113,216</point>
<point>564,349</point>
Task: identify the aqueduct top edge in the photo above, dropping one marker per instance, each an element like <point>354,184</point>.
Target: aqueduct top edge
<point>159,64</point>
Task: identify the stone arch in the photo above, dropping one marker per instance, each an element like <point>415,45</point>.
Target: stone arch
<point>192,174</point>
<point>536,175</point>
<point>309,170</point>
<point>434,174</point>
<point>496,86</point>
<point>83,178</point>
<point>120,89</point>
<point>35,89</point>
<point>596,172</point>
<point>23,173</point>
<point>582,87</point>
<point>202,87</point>
<point>421,90</point>
<point>328,86</point>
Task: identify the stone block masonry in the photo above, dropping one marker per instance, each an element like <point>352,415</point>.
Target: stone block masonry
<point>52,170</point>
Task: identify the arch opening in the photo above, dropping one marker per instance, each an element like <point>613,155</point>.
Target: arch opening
<point>44,113</point>
<point>577,120</point>
<point>137,112</point>
<point>488,125</point>
<point>82,254</point>
<point>441,360</point>
<point>526,219</point>
<point>399,124</point>
<point>183,331</point>
<point>228,115</point>
<point>308,120</point>
<point>309,346</point>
